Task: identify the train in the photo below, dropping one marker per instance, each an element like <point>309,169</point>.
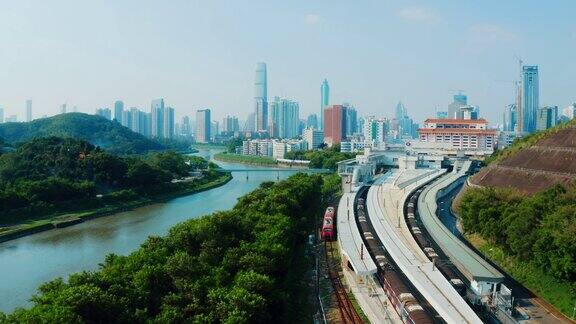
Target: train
<point>389,277</point>
<point>327,232</point>
<point>425,244</point>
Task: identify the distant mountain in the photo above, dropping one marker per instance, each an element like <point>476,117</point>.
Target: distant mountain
<point>534,163</point>
<point>97,130</point>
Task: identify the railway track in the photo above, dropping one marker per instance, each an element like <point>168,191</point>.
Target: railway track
<point>347,311</point>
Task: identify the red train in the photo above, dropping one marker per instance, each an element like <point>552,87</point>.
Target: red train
<point>328,224</point>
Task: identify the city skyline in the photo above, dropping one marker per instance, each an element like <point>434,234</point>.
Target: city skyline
<point>191,77</point>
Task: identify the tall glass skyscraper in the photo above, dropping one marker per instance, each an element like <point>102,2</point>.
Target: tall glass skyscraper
<point>530,99</point>
<point>324,100</point>
<point>157,123</point>
<point>203,124</point>
<point>261,97</point>
<point>118,109</point>
<point>29,110</point>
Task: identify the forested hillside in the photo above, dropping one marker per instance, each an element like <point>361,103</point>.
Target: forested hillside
<point>56,174</point>
<point>239,266</point>
<point>97,130</point>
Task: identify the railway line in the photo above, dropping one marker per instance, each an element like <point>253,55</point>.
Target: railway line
<point>404,252</point>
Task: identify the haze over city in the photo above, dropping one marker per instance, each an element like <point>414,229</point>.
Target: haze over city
<point>202,54</point>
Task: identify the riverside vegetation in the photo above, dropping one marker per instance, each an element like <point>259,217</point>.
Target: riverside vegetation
<point>244,265</point>
<point>53,175</point>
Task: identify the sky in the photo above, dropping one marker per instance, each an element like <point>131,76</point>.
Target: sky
<point>203,54</point>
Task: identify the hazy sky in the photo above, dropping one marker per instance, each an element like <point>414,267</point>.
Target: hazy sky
<point>200,54</point>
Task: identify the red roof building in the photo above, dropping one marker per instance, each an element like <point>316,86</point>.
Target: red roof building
<point>459,133</point>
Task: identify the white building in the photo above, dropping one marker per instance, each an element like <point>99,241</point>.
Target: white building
<point>313,137</point>
<point>464,134</point>
<point>353,146</point>
<point>375,131</point>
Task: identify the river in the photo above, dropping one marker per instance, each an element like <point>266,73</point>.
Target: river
<point>27,262</point>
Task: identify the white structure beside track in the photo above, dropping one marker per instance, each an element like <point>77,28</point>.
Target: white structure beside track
<point>385,203</point>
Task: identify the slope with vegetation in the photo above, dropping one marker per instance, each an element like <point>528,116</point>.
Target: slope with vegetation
<point>239,266</point>
<point>47,176</point>
<point>522,213</point>
<point>94,129</point>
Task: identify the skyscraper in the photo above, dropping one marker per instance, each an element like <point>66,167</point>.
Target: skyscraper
<point>186,128</point>
<point>203,125</point>
<point>284,118</point>
<point>118,109</point>
<point>261,97</point>
<point>63,108</point>
<point>351,120</point>
<point>104,112</point>
<point>1,115</point>
<point>400,111</point>
<point>157,122</point>
<point>324,100</point>
<point>510,118</point>
<point>29,110</point>
<point>547,117</point>
<point>529,99</point>
<point>168,123</point>
<point>459,100</point>
<point>334,124</point>
<point>230,124</point>
<point>312,121</point>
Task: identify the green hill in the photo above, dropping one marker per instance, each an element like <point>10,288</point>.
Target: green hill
<point>97,130</point>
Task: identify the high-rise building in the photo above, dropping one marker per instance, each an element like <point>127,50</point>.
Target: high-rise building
<point>441,114</point>
<point>351,120</point>
<point>203,125</point>
<point>186,127</point>
<point>118,109</point>
<point>214,128</point>
<point>529,99</point>
<point>1,115</point>
<point>157,111</point>
<point>547,117</point>
<point>168,123</point>
<point>134,120</point>
<point>334,124</point>
<point>63,108</point>
<point>29,110</point>
<point>104,112</point>
<point>261,97</point>
<point>400,111</point>
<point>375,130</point>
<point>127,118</point>
<point>509,122</point>
<point>230,124</point>
<point>459,100</point>
<point>313,137</point>
<point>250,124</point>
<point>312,121</point>
<point>284,118</point>
<point>324,101</point>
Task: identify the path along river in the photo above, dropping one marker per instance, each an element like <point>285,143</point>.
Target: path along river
<point>27,262</point>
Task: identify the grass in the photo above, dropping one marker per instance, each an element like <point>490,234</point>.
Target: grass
<point>556,292</point>
<point>249,159</point>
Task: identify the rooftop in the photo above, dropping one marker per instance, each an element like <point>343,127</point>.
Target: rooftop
<point>456,121</point>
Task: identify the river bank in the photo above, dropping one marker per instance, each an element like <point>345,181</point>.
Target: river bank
<point>245,159</point>
<point>66,220</point>
<point>29,261</point>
